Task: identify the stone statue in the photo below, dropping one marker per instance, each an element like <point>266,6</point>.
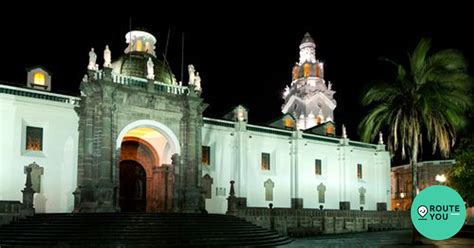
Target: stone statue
<point>173,80</point>
<point>329,85</point>
<point>85,78</point>
<point>197,82</point>
<point>192,75</point>
<point>150,69</point>
<point>107,57</point>
<point>92,60</point>
<point>344,132</point>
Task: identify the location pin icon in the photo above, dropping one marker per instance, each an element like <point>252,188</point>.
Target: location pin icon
<point>422,211</point>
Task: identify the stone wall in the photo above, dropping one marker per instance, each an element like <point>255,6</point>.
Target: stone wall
<point>286,220</point>
<point>10,211</point>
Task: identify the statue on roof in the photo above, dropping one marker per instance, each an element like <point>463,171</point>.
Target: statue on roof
<point>344,132</point>
<point>197,82</point>
<point>380,138</point>
<point>192,74</point>
<point>107,57</point>
<point>150,69</point>
<point>92,60</point>
<point>173,80</point>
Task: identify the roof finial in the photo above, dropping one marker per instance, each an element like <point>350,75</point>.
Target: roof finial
<point>344,132</point>
<point>380,138</point>
<point>307,38</point>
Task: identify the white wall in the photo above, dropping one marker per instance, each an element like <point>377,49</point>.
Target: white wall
<point>220,140</point>
<point>278,147</point>
<point>58,158</point>
<point>236,154</point>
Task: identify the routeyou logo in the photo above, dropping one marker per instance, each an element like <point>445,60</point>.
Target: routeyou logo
<point>438,212</point>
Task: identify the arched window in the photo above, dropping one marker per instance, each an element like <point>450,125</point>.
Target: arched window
<point>306,69</point>
<point>295,72</point>
<point>38,78</point>
<point>329,129</point>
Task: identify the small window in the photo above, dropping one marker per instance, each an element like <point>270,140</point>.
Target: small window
<point>288,122</point>
<point>206,155</point>
<point>317,167</point>
<point>265,164</point>
<point>34,139</point>
<point>329,129</point>
<point>359,171</point>
<point>38,78</point>
<point>139,45</point>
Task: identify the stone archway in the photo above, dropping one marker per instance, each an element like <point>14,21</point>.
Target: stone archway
<point>159,127</point>
<point>109,109</point>
<point>152,148</point>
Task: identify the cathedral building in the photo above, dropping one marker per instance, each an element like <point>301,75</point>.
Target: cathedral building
<point>137,140</point>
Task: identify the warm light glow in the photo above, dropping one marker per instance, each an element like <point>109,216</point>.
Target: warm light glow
<point>288,122</point>
<point>330,129</point>
<point>144,133</point>
<point>139,45</point>
<point>440,178</point>
<point>240,115</point>
<point>306,68</point>
<point>38,78</point>
<point>295,72</point>
<point>402,195</point>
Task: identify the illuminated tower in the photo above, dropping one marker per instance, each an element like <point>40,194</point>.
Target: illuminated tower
<point>308,98</point>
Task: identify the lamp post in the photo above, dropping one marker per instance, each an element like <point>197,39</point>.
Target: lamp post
<point>440,178</point>
<point>402,195</point>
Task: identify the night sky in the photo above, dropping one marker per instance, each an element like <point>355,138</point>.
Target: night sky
<point>243,56</point>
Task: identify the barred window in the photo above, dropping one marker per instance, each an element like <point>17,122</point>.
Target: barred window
<point>34,138</point>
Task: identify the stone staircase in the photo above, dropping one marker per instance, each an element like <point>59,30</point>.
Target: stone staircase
<point>136,230</point>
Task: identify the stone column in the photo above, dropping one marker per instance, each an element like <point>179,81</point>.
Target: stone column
<point>105,192</point>
<point>84,193</point>
<point>191,126</point>
<point>240,161</point>
<point>177,188</point>
<point>296,201</point>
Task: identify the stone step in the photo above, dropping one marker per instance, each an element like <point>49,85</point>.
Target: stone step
<point>158,232</point>
<point>269,241</point>
<point>136,230</point>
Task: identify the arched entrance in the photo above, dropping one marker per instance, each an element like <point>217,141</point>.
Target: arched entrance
<point>150,148</point>
<point>133,186</point>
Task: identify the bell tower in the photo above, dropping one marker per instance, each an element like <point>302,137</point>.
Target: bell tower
<point>308,97</point>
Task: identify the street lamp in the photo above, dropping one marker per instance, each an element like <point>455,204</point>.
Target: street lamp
<point>440,178</point>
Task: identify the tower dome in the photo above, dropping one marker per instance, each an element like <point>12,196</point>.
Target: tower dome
<point>141,47</point>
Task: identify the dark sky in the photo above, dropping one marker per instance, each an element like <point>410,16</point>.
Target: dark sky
<point>244,56</point>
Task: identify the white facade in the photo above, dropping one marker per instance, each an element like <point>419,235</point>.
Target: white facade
<point>313,169</point>
<point>235,154</point>
<point>21,108</point>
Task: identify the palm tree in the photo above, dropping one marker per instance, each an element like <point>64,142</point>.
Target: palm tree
<point>428,99</point>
